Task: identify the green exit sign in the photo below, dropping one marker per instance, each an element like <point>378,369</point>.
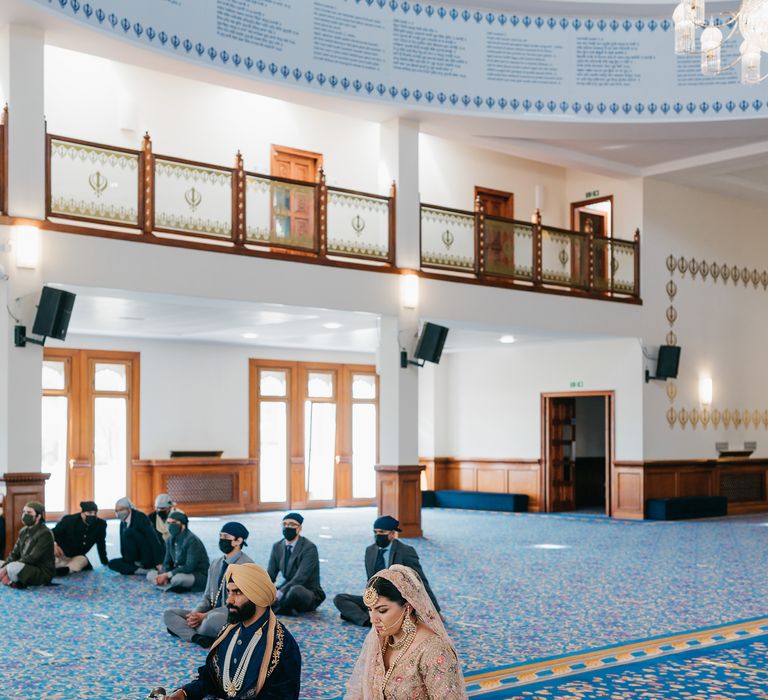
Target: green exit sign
<point>593,193</point>
<point>577,385</point>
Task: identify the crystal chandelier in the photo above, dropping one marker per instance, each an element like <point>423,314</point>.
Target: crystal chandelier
<point>751,21</point>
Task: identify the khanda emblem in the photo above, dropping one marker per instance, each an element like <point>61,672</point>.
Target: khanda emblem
<point>447,239</point>
<point>193,198</point>
<point>98,183</point>
<point>563,257</point>
<point>358,224</point>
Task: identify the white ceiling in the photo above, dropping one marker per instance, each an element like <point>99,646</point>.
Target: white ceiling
<point>713,156</point>
<point>127,314</point>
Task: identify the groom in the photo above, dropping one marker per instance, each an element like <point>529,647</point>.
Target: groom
<point>255,656</point>
<point>383,553</point>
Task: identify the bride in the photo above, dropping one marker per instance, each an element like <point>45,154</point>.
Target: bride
<point>407,654</point>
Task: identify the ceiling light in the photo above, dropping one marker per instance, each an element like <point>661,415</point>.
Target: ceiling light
<point>250,336</point>
<point>331,326</point>
<point>507,339</point>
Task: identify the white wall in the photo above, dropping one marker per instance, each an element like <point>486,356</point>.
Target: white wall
<point>93,99</point>
<point>494,396</point>
<point>194,396</point>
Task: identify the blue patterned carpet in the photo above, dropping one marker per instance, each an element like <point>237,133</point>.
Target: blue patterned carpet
<point>513,588</point>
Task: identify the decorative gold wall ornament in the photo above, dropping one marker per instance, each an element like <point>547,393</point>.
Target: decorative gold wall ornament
<point>765,418</point>
<point>682,265</point>
<point>694,418</point>
<point>671,338</point>
<point>358,224</point>
<point>747,417</point>
<point>756,418</point>
<point>693,267</point>
<point>671,263</point>
<point>704,269</point>
<point>715,270</point>
<point>755,278</point>
<point>735,274</point>
<point>736,418</point>
<point>726,418</point>
<point>671,289</point>
<point>447,238</point>
<point>682,417</point>
<point>705,417</point>
<point>671,417</point>
<point>671,314</point>
<point>98,183</point>
<point>745,276</point>
<point>725,271</point>
<point>671,389</point>
<point>716,415</point>
<point>193,198</point>
<point>764,279</point>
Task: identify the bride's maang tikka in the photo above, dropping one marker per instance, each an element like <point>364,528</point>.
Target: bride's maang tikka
<point>370,594</point>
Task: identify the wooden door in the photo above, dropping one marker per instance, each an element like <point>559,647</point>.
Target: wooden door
<point>293,208</point>
<point>561,439</point>
<point>496,203</point>
<point>595,216</point>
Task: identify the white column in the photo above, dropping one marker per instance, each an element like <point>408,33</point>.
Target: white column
<point>399,393</point>
<point>22,82</point>
<point>399,154</point>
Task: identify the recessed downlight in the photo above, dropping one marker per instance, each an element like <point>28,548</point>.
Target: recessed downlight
<point>331,326</point>
<point>507,339</point>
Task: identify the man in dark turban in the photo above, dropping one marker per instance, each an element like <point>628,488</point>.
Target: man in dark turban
<point>75,535</point>
<point>255,656</point>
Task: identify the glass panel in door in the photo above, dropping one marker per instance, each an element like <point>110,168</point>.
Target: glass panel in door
<point>319,450</point>
<point>110,449</point>
<point>54,451</point>
<point>273,451</point>
<point>363,450</point>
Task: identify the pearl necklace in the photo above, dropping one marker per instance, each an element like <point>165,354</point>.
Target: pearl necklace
<point>233,685</point>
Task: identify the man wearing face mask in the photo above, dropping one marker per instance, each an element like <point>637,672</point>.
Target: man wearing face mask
<point>383,553</point>
<point>185,566</point>
<point>296,558</point>
<point>139,549</point>
<point>30,562</point>
<point>159,516</point>
<point>75,535</point>
<point>203,624</point>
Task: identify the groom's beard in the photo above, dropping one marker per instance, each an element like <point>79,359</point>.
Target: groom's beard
<point>242,613</point>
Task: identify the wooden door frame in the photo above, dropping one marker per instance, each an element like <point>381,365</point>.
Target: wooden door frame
<point>575,206</point>
<point>499,193</point>
<point>610,439</point>
<point>274,149</point>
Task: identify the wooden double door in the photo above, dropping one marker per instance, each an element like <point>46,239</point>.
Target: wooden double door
<point>313,433</point>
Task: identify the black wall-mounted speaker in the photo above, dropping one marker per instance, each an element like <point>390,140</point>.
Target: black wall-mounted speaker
<point>668,362</point>
<point>431,342</point>
<point>53,313</point>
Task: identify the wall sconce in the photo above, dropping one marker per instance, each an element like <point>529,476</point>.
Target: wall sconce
<point>409,290</point>
<point>705,391</point>
<point>26,246</point>
<point>538,196</point>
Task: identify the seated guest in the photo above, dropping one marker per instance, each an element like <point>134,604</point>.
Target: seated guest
<point>295,557</point>
<point>75,535</point>
<point>30,562</point>
<point>383,553</point>
<point>157,518</point>
<point>139,549</point>
<point>255,656</point>
<point>185,567</point>
<point>203,624</point>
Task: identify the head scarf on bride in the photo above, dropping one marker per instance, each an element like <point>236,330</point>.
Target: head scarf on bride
<point>368,673</point>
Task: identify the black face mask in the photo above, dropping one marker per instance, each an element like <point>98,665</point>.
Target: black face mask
<point>289,533</point>
<point>91,519</point>
<point>382,541</point>
<point>226,546</point>
<point>163,514</point>
<point>246,612</point>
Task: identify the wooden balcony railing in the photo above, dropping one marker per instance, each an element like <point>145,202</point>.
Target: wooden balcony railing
<point>187,201</point>
<point>521,254</point>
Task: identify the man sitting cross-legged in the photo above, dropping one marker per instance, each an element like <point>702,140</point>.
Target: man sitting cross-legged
<point>255,656</point>
<point>203,624</point>
<point>30,562</point>
<point>75,535</point>
<point>185,567</point>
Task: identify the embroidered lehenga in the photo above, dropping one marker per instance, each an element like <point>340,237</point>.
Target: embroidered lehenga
<point>427,670</point>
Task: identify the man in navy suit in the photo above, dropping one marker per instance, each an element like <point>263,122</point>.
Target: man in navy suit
<point>140,550</point>
<point>383,553</point>
<point>296,558</point>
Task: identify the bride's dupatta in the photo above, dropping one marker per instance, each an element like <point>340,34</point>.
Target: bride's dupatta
<point>368,674</point>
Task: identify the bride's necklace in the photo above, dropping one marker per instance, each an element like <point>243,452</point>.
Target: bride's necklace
<point>392,643</point>
<point>232,685</point>
<point>404,644</point>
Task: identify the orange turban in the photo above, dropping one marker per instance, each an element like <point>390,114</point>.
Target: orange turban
<point>254,582</point>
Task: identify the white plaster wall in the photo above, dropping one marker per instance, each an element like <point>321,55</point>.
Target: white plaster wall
<point>721,329</point>
<point>194,396</point>
<point>99,100</point>
<point>495,395</point>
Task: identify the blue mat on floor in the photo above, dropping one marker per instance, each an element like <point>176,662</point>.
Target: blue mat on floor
<point>513,587</point>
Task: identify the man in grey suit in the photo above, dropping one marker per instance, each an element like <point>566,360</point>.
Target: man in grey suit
<point>296,558</point>
<point>203,624</point>
<point>385,551</point>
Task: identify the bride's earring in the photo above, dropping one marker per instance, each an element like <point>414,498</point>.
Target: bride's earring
<point>409,626</point>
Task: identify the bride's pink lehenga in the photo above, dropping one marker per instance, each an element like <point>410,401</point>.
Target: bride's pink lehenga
<point>428,670</point>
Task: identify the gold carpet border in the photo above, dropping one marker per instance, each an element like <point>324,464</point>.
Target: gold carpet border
<point>479,684</point>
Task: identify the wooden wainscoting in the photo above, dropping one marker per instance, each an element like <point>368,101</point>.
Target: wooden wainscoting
<point>199,486</point>
<point>495,475</point>
<point>627,496</point>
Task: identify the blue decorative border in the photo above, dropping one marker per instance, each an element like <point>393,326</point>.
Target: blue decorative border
<point>512,106</point>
